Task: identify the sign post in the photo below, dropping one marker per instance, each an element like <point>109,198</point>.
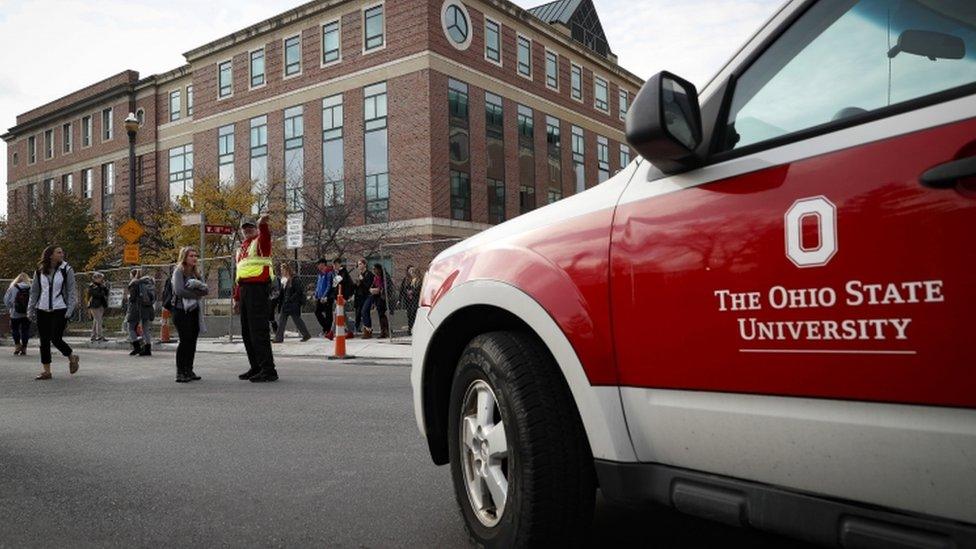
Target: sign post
<point>198,219</point>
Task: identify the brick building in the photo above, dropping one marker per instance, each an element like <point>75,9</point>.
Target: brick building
<point>445,116</point>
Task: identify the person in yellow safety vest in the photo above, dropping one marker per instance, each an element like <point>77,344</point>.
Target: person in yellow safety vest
<point>254,272</point>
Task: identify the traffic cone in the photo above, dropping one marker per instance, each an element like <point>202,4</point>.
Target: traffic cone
<point>164,333</point>
<point>339,353</point>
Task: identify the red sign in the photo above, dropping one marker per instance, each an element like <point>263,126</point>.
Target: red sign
<point>218,229</point>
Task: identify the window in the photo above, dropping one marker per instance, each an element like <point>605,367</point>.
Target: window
<point>294,158</point>
<point>225,79</point>
<point>456,24</point>
<point>554,156</point>
<point>377,154</point>
<point>576,81</point>
<point>579,167</point>
<point>67,143</point>
<point>16,158</point>
<point>624,156</point>
<point>293,55</point>
<point>86,131</point>
<point>225,155</point>
<point>496,201</point>
<point>141,113</point>
<point>524,56</point>
<point>793,86</point>
<point>257,68</point>
<point>373,28</point>
<point>107,124</point>
<point>601,97</point>
<point>602,158</point>
<point>189,103</point>
<point>174,105</point>
<point>493,41</point>
<point>526,150</point>
<point>68,183</point>
<point>49,144</point>
<point>49,190</point>
<point>552,70</point>
<point>108,187</point>
<point>32,197</point>
<point>624,104</point>
<point>457,94</point>
<point>332,152</point>
<point>180,172</point>
<point>495,137</point>
<point>31,149</point>
<point>554,195</point>
<point>87,185</point>
<point>259,153</point>
<point>330,42</point>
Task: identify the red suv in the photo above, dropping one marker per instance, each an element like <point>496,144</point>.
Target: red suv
<point>762,321</point>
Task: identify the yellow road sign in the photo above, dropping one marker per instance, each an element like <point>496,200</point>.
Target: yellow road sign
<point>130,255</point>
<point>131,230</point>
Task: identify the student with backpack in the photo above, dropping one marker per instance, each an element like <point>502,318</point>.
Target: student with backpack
<point>17,300</point>
<point>97,303</point>
<point>292,300</point>
<point>141,312</point>
<point>53,298</point>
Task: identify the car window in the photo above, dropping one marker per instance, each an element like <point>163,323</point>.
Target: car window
<point>843,58</point>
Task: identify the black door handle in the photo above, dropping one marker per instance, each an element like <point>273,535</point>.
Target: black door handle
<point>944,176</point>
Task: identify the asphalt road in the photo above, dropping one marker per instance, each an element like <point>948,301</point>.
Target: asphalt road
<point>119,455</point>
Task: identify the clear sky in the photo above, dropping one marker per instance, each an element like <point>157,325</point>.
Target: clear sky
<point>54,47</point>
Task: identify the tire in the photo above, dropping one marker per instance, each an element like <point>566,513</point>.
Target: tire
<point>548,467</point>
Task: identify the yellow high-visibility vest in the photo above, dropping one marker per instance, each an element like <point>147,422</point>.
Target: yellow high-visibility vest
<point>253,265</point>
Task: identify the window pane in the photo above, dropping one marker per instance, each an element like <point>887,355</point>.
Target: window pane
<point>376,152</point>
<point>224,79</point>
<point>552,70</point>
<point>293,56</point>
<point>374,27</point>
<point>330,42</point>
<point>794,84</point>
<point>257,68</point>
<point>524,56</point>
<point>493,45</point>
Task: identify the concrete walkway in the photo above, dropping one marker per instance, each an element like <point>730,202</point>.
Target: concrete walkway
<point>293,346</point>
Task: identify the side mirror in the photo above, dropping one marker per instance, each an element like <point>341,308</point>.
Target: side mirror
<point>931,44</point>
<point>664,123</point>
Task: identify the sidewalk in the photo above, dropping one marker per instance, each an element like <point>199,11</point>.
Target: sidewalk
<point>315,347</point>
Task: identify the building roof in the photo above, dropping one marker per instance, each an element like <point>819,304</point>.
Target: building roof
<point>558,11</point>
<point>582,20</point>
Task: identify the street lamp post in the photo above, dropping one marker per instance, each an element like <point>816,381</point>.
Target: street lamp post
<point>131,127</point>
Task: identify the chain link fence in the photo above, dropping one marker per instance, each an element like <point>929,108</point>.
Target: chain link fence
<point>403,291</point>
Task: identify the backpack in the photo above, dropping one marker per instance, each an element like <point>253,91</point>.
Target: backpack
<point>147,296</point>
<point>168,295</point>
<point>21,301</point>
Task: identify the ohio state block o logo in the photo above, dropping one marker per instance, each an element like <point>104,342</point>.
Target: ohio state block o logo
<point>825,214</point>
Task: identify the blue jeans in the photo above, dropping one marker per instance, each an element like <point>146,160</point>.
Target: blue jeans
<point>367,307</point>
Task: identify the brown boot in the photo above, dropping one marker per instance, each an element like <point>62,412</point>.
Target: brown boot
<point>384,327</point>
<point>367,333</point>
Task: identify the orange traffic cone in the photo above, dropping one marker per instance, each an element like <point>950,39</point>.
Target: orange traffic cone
<point>164,334</point>
<point>339,353</point>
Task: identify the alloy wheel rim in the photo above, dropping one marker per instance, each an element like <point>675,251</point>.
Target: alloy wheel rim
<point>484,453</point>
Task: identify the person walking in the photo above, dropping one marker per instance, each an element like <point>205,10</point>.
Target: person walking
<point>324,300</point>
<point>189,289</point>
<point>377,298</point>
<point>409,297</point>
<point>292,300</point>
<point>362,293</point>
<point>141,312</point>
<point>274,297</point>
<point>17,300</point>
<point>53,299</point>
<point>341,282</point>
<point>97,303</point>
<point>254,272</point>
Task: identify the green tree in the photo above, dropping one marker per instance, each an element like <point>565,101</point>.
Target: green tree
<point>61,220</point>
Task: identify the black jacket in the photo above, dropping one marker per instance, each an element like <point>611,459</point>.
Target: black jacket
<point>97,296</point>
<point>348,288</point>
<point>365,283</point>
<point>292,296</point>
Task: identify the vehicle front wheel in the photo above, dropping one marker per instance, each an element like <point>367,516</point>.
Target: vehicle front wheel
<point>521,464</point>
